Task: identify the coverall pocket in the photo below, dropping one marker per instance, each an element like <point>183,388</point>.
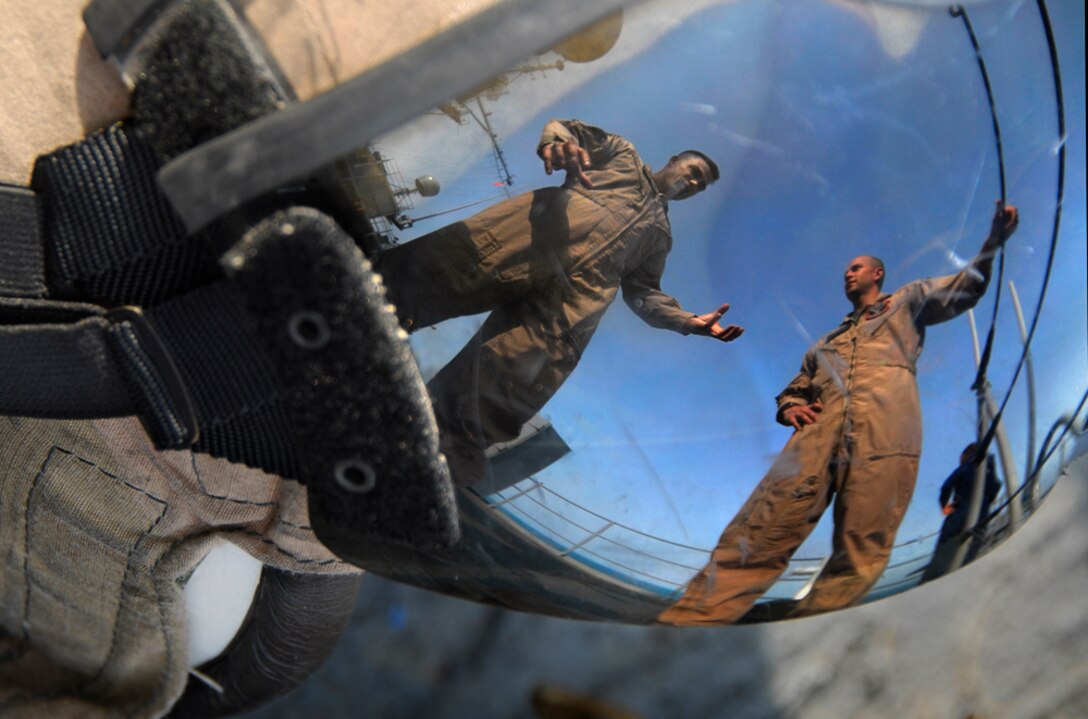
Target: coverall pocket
<point>83,535</point>
<point>497,262</point>
<point>892,423</point>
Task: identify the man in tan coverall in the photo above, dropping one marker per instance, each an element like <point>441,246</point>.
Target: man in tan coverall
<point>546,264</point>
<point>854,406</point>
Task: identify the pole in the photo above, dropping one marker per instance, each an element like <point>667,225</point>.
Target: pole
<point>980,475</point>
<point>1001,437</point>
<point>1030,492</point>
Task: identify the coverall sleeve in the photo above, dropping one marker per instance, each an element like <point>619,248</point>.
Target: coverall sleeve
<point>800,391</point>
<point>602,146</point>
<point>642,293</point>
<point>993,485</point>
<point>948,486</point>
<point>941,298</point>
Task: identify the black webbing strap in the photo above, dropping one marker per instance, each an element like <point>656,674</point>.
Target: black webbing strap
<point>108,234</point>
<point>294,364</point>
<point>97,231</point>
<point>22,265</point>
<point>55,361</point>
<point>78,361</point>
<point>283,355</point>
<point>191,368</point>
<point>237,400</point>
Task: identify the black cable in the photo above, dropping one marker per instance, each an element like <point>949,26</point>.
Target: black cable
<point>984,361</point>
<point>960,12</point>
<point>1048,450</point>
<point>1060,102</point>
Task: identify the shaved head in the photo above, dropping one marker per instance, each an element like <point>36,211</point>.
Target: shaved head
<point>877,263</point>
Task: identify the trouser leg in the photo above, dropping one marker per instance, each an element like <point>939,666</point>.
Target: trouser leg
<point>869,507</point>
<point>941,561</point>
<point>756,547</point>
<point>947,545</point>
<point>439,276</point>
<point>497,382</point>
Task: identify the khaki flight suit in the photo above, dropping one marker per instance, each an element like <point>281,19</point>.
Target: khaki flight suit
<point>99,532</point>
<point>863,451</point>
<point>546,264</point>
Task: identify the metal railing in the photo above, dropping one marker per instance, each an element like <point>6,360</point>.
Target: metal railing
<point>642,561</point>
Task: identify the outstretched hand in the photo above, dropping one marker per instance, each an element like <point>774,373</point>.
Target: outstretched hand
<point>567,156</point>
<point>708,325</point>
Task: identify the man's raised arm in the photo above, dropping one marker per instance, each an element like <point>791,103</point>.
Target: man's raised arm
<point>1006,220</point>
<point>943,298</point>
<point>575,147</point>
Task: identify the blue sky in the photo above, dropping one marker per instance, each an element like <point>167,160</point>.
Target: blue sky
<point>830,147</point>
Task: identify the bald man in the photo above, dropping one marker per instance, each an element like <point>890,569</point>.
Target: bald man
<point>858,435</point>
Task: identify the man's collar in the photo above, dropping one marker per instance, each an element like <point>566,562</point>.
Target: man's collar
<point>649,173</point>
<point>874,309</point>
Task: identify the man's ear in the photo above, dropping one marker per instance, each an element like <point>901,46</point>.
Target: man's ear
<point>879,273</point>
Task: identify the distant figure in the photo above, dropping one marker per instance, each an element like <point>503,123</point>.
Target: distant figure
<point>854,406</point>
<point>546,265</point>
<point>955,499</point>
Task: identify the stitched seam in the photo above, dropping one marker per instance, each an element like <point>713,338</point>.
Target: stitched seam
<point>128,564</point>
<point>167,641</point>
<point>222,497</point>
<point>128,561</point>
<point>169,647</point>
<point>292,555</point>
<point>26,543</point>
<point>18,699</point>
<point>226,532</point>
<point>283,521</point>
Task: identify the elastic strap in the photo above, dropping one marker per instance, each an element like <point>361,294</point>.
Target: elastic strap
<point>192,369</point>
<point>77,361</point>
<point>22,265</point>
<point>56,361</point>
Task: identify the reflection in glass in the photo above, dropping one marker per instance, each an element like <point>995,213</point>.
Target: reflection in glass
<point>840,130</point>
<point>965,499</point>
<point>546,266</point>
<point>856,443</point>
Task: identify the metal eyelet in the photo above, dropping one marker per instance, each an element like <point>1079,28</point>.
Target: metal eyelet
<point>355,476</point>
<point>308,330</point>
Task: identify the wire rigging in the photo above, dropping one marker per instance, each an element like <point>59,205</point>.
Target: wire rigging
<point>1044,15</point>
<point>984,361</point>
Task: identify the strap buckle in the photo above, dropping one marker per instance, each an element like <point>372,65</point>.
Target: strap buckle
<point>166,408</point>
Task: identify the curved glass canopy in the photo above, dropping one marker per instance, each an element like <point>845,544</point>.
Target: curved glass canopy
<point>840,129</point>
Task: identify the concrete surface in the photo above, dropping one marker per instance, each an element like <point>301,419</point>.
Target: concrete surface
<point>1001,639</point>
